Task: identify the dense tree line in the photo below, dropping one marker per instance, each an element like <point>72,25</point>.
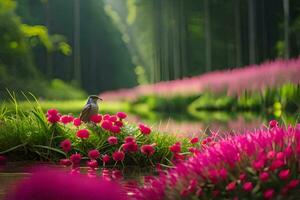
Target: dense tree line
<point>104,44</point>
<point>184,38</point>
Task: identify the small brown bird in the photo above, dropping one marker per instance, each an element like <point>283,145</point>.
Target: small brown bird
<point>90,108</point>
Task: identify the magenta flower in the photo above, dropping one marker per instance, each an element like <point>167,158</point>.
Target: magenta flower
<point>65,119</point>
<point>248,186</point>
<point>284,174</point>
<point>175,148</point>
<point>130,147</point>
<point>106,125</point>
<point>273,123</point>
<point>56,184</point>
<point>231,186</point>
<point>105,158</point>
<point>83,134</point>
<point>94,154</point>
<point>119,123</point>
<point>52,112</point>
<point>293,184</point>
<point>118,156</point>
<point>264,176</point>
<point>106,117</point>
<point>53,119</point>
<point>147,149</point>
<point>97,118</point>
<point>144,129</point>
<point>77,122</point>
<point>112,140</point>
<point>65,162</point>
<point>194,140</point>
<point>121,115</point>
<point>53,116</point>
<point>271,155</point>
<point>113,118</point>
<point>75,158</point>
<point>129,139</point>
<point>268,194</point>
<point>66,145</point>
<point>115,129</point>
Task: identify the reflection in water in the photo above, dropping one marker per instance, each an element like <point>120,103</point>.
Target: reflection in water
<point>215,121</point>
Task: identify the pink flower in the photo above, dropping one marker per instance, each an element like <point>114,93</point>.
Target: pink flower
<point>97,118</point>
<point>284,174</point>
<point>106,117</point>
<point>280,156</point>
<point>175,148</point>
<point>52,112</point>
<point>115,129</point>
<point>2,160</point>
<point>118,156</point>
<point>293,184</point>
<point>273,123</point>
<point>53,119</point>
<point>144,129</point>
<point>112,140</point>
<point>231,186</point>
<point>106,125</point>
<point>105,158</point>
<point>94,154</point>
<point>129,139</point>
<point>65,119</point>
<point>113,118</point>
<point>77,122</point>
<point>66,145</point>
<point>248,186</point>
<point>83,134</point>
<point>121,115</point>
<point>119,123</point>
<point>130,147</point>
<point>276,164</point>
<point>264,176</point>
<point>53,184</point>
<point>194,140</point>
<point>92,164</point>
<point>242,177</point>
<point>53,116</point>
<point>75,158</point>
<point>268,194</point>
<point>223,173</point>
<point>148,149</point>
<point>258,165</point>
<point>271,155</point>
<point>65,162</point>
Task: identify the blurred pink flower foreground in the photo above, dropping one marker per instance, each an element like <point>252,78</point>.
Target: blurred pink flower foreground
<point>253,77</point>
<point>54,184</point>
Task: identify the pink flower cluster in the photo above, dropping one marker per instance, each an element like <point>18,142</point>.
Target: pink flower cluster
<point>263,164</point>
<point>253,77</point>
<point>111,124</point>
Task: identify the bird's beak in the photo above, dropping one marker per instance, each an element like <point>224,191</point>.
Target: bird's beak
<point>100,99</point>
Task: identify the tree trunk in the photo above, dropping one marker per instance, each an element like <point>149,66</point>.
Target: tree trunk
<point>207,35</point>
<point>77,66</point>
<point>252,31</point>
<point>286,28</point>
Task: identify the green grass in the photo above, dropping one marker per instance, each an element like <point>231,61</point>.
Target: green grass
<point>25,134</point>
<point>68,107</point>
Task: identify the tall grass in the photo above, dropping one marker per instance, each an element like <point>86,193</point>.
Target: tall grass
<point>25,134</point>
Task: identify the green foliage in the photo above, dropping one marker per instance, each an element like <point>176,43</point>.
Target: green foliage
<point>59,90</point>
<point>26,135</point>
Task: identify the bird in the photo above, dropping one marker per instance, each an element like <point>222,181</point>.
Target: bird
<point>90,108</point>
